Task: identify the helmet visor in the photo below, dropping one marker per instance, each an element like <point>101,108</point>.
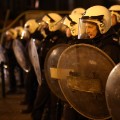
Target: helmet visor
<point>89,27</point>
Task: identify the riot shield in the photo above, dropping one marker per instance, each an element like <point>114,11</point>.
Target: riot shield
<point>50,67</point>
<point>21,55</point>
<point>84,83</point>
<point>33,54</point>
<point>112,92</point>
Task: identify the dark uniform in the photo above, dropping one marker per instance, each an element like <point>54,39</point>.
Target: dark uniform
<point>109,46</point>
<point>69,113</point>
<point>11,65</point>
<point>117,32</point>
<point>31,83</point>
<point>46,103</point>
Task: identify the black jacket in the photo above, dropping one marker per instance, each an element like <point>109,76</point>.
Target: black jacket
<point>51,40</point>
<point>104,42</point>
<point>107,43</point>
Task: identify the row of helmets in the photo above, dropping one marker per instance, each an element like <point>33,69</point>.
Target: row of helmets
<point>54,21</point>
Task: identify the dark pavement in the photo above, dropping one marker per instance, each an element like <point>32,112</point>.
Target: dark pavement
<point>10,108</point>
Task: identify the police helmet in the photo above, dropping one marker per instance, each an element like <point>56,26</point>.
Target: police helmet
<point>11,34</point>
<point>115,10</point>
<point>72,20</point>
<point>98,15</point>
<point>52,19</point>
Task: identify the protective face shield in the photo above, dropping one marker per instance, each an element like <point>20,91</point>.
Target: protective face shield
<point>25,35</point>
<point>11,34</point>
<point>71,22</point>
<point>96,15</point>
<point>115,10</point>
<point>52,19</point>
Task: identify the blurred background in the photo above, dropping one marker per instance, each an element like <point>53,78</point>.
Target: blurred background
<point>10,9</point>
<point>15,13</point>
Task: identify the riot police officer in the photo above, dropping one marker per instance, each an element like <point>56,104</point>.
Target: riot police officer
<point>71,22</point>
<point>30,32</point>
<point>19,71</point>
<point>10,35</point>
<point>95,29</point>
<point>15,71</point>
<point>45,103</point>
<point>115,14</point>
<point>98,29</point>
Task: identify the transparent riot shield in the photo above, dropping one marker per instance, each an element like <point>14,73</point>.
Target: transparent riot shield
<point>83,72</point>
<point>21,55</point>
<point>50,66</point>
